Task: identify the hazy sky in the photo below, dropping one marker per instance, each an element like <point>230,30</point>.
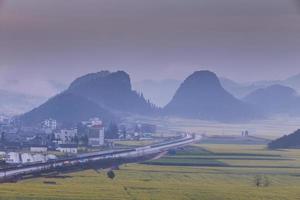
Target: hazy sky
<point>58,40</point>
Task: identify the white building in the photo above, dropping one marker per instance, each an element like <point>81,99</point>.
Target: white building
<point>38,149</point>
<point>2,156</point>
<point>65,136</point>
<point>67,149</point>
<point>50,123</point>
<point>33,158</point>
<point>51,157</point>
<point>4,120</point>
<point>13,158</point>
<point>27,158</point>
<point>93,122</point>
<point>39,158</point>
<point>17,158</point>
<point>96,135</point>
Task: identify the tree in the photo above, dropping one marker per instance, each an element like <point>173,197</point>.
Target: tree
<point>137,128</point>
<point>112,131</point>
<point>2,137</point>
<point>111,174</point>
<point>257,180</point>
<point>51,137</point>
<point>84,140</point>
<point>123,131</point>
<point>75,139</point>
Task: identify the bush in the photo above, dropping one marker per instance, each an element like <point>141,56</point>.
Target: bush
<point>261,181</point>
<point>111,174</point>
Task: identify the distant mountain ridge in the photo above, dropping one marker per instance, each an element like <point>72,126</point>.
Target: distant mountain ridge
<point>293,82</point>
<point>103,94</point>
<point>275,99</point>
<point>202,96</point>
<point>240,90</point>
<point>12,103</point>
<point>161,92</point>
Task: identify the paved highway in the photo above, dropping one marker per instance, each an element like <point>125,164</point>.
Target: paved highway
<point>96,157</point>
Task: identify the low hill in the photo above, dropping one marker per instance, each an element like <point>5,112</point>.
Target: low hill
<point>275,99</point>
<point>202,96</point>
<point>66,108</point>
<point>239,90</point>
<point>287,141</point>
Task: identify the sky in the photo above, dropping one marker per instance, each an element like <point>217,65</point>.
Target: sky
<point>45,44</point>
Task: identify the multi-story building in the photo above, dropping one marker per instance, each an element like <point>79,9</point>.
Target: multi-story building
<point>4,120</point>
<point>96,135</point>
<point>70,149</point>
<point>49,125</point>
<point>92,122</point>
<point>65,136</point>
<point>27,158</point>
<point>13,158</point>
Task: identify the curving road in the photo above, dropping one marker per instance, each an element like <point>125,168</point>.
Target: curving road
<point>97,157</point>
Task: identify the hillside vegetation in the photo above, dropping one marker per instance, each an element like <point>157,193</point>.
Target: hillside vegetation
<point>287,141</point>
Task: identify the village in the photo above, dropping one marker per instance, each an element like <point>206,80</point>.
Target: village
<point>51,140</point>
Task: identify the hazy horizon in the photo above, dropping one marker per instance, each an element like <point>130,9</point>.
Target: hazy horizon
<point>56,41</point>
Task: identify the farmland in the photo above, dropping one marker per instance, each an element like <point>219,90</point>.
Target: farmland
<point>232,178</point>
<point>268,128</point>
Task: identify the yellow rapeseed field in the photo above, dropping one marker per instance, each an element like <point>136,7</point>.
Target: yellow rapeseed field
<point>138,182</point>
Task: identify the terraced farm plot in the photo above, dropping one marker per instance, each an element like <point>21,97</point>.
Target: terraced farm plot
<point>175,161</point>
<point>230,156</point>
<point>143,182</point>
